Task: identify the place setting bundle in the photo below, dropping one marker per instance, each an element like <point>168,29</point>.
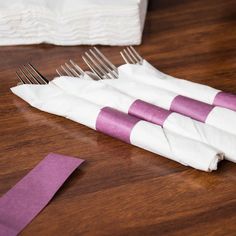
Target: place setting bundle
<point>187,122</point>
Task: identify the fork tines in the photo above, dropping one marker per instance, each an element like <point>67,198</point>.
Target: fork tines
<point>94,58</point>
<point>28,74</point>
<point>100,64</point>
<point>70,69</point>
<point>131,56</point>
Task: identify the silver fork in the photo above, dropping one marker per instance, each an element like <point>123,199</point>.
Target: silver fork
<point>100,64</point>
<point>131,56</point>
<point>28,74</point>
<point>70,69</point>
<point>74,70</point>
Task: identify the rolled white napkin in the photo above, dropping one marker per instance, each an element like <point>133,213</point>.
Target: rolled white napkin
<point>50,98</point>
<point>105,95</point>
<point>148,74</point>
<point>72,22</point>
<point>219,117</point>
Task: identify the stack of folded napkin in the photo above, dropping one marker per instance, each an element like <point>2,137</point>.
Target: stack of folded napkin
<point>72,22</point>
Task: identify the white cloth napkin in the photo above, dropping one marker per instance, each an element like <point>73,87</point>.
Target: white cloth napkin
<point>50,98</point>
<point>148,74</point>
<point>72,22</point>
<point>131,79</point>
<point>103,94</point>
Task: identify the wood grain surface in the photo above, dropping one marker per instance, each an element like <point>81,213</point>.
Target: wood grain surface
<point>121,189</point>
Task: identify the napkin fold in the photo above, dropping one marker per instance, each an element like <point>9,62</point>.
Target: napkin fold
<point>52,99</point>
<point>103,94</point>
<point>146,73</point>
<point>72,22</point>
<point>130,82</point>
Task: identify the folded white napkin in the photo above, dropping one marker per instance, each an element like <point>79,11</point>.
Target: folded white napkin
<point>72,22</point>
<point>131,79</point>
<point>50,98</point>
<point>148,74</point>
<point>101,93</point>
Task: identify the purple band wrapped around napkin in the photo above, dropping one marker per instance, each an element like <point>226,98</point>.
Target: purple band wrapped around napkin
<point>149,112</point>
<point>115,123</point>
<point>190,107</point>
<point>227,100</point>
<point>32,193</point>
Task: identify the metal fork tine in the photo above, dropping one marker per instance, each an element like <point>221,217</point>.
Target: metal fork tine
<point>104,65</point>
<point>106,60</point>
<point>129,57</point>
<point>77,67</point>
<point>25,76</point>
<point>32,76</point>
<point>37,72</point>
<point>98,66</point>
<point>59,73</point>
<point>137,54</point>
<point>21,80</point>
<point>132,55</point>
<point>95,71</point>
<point>124,58</point>
<point>72,70</point>
<point>68,73</point>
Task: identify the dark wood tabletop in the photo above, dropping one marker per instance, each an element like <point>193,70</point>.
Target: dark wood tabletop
<point>122,189</point>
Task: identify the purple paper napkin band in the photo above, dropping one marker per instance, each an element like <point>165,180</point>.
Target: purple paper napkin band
<point>32,193</point>
<point>192,108</point>
<point>227,100</point>
<point>115,123</point>
<point>149,112</point>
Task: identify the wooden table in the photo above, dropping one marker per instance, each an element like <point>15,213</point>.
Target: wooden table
<point>121,189</point>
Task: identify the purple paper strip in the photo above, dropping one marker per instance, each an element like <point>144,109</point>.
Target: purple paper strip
<point>190,107</point>
<point>227,100</point>
<point>149,112</point>
<point>32,193</point>
<point>115,123</point>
